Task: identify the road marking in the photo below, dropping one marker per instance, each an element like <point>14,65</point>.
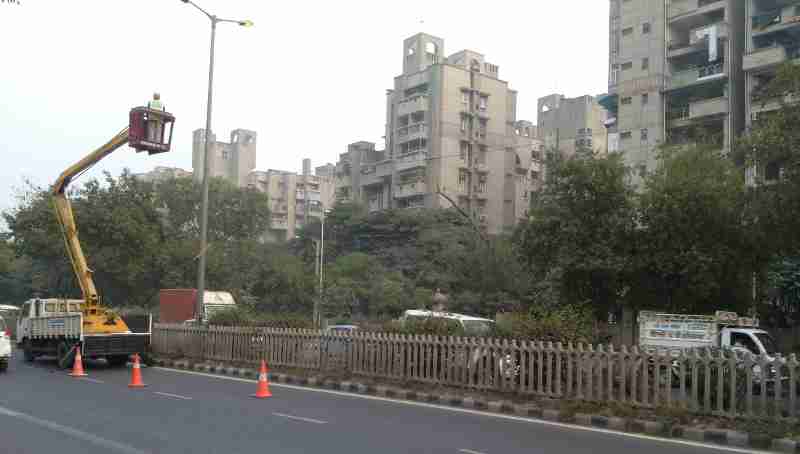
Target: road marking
<point>173,395</point>
<point>298,418</point>
<point>108,445</point>
<point>480,413</point>
<point>469,451</point>
<point>93,380</point>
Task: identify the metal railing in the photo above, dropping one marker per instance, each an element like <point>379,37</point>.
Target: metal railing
<point>707,381</point>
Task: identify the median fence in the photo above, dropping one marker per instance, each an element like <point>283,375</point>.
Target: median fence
<point>707,381</point>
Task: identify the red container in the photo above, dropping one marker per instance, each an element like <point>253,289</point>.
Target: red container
<point>176,305</point>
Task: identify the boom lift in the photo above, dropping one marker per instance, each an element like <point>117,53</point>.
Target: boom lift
<point>100,332</point>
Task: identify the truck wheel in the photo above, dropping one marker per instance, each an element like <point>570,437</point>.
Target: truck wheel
<point>117,360</point>
<point>27,350</point>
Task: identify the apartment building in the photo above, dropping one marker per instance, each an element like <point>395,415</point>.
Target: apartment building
<point>295,199</point>
<point>772,38</point>
<point>233,160</point>
<point>572,125</point>
<point>451,127</point>
<point>161,173</point>
<point>675,75</point>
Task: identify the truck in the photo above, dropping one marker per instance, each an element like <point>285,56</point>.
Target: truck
<point>672,333</point>
<point>178,305</point>
<point>62,326</point>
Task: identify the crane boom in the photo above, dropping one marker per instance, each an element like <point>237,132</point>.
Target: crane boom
<point>66,219</point>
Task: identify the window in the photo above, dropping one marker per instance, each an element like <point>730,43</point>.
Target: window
<point>462,177</point>
<point>645,63</point>
<point>626,66</point>
<point>646,28</point>
<point>625,135</point>
<point>483,102</point>
<point>742,340</point>
<point>626,100</point>
<point>644,134</point>
<point>226,154</point>
<point>645,98</point>
<point>465,153</point>
<point>465,97</point>
<point>627,31</point>
<point>464,123</point>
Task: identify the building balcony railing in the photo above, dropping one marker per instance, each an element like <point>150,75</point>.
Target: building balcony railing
<point>697,74</point>
<point>410,161</point>
<point>410,189</point>
<point>279,224</point>
<point>696,41</point>
<point>768,57</point>
<point>415,104</point>
<point>686,7</point>
<point>776,19</point>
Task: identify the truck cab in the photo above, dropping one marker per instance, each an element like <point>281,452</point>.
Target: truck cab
<point>755,341</point>
<point>39,308</point>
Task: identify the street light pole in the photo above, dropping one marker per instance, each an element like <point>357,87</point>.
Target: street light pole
<point>317,304</point>
<point>201,268</point>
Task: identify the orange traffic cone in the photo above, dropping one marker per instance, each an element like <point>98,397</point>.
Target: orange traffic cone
<point>136,374</point>
<point>263,384</point>
<point>77,366</point>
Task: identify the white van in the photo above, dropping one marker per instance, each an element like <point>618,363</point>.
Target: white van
<point>5,345</point>
<point>472,326</point>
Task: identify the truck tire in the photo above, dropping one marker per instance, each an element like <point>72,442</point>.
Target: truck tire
<point>27,351</point>
<point>117,360</point>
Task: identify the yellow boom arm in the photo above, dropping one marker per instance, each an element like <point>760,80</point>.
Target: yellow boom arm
<point>96,320</point>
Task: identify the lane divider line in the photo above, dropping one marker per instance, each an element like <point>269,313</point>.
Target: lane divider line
<point>93,380</point>
<point>176,396</point>
<point>469,451</point>
<point>482,413</point>
<point>300,418</point>
<point>108,445</point>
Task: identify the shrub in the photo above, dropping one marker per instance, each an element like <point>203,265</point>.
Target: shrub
<point>246,317</point>
<point>568,323</point>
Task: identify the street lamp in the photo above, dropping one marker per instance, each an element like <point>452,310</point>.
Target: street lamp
<point>201,270</point>
<point>321,255</point>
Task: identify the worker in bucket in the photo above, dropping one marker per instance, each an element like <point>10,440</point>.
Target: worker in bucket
<point>154,123</point>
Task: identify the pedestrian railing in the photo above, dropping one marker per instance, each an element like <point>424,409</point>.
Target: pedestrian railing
<point>707,381</point>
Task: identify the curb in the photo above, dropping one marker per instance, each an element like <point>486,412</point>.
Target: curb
<point>709,436</point>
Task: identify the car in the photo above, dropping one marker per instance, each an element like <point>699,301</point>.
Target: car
<point>5,345</point>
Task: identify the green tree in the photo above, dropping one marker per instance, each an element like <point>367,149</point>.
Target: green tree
<point>578,238</point>
<point>695,253</point>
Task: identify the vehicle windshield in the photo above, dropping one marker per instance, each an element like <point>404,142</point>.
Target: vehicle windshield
<point>768,343</point>
<point>477,327</point>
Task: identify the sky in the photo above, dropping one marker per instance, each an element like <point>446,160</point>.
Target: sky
<point>309,77</point>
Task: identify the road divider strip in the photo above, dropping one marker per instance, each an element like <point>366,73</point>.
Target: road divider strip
<point>300,418</point>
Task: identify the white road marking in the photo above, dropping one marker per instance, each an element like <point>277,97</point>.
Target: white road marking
<point>469,451</point>
<point>299,418</point>
<point>173,395</point>
<point>481,413</point>
<point>93,380</point>
<point>108,445</point>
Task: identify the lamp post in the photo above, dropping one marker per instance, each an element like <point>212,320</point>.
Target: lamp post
<point>201,269</point>
<point>317,317</point>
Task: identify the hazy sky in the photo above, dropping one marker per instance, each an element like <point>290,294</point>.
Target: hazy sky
<point>310,77</point>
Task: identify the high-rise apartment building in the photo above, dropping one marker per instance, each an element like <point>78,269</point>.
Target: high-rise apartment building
<point>295,199</point>
<point>572,125</point>
<point>232,161</point>
<point>451,127</point>
<point>675,75</point>
<point>773,38</point>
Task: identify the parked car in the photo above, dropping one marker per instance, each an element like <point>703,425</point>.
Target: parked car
<point>5,345</point>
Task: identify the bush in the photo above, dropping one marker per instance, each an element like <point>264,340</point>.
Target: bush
<point>423,326</point>
<point>568,323</point>
<point>246,317</point>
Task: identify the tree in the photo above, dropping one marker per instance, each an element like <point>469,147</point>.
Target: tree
<point>579,232</point>
<point>695,253</point>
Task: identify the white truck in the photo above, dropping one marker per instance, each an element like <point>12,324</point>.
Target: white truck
<point>673,333</point>
<point>5,345</point>
<point>56,327</point>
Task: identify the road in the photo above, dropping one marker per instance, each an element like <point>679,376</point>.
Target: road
<point>44,410</point>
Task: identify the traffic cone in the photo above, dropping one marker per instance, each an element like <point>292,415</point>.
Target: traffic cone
<point>77,366</point>
<point>262,392</point>
<point>136,374</point>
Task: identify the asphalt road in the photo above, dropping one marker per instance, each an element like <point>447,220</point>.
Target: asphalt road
<point>44,410</point>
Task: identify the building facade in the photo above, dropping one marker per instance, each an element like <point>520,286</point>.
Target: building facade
<point>294,199</point>
<point>232,161</point>
<point>161,173</point>
<point>675,76</point>
<point>450,131</point>
<point>572,125</point>
<point>772,38</point>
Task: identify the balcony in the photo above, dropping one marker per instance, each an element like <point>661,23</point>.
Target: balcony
<point>411,161</point>
<point>708,107</point>
<point>410,189</point>
<point>415,104</point>
<point>696,41</point>
<point>696,75</point>
<point>761,103</point>
<point>689,8</point>
<point>767,57</point>
<point>776,20</point>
